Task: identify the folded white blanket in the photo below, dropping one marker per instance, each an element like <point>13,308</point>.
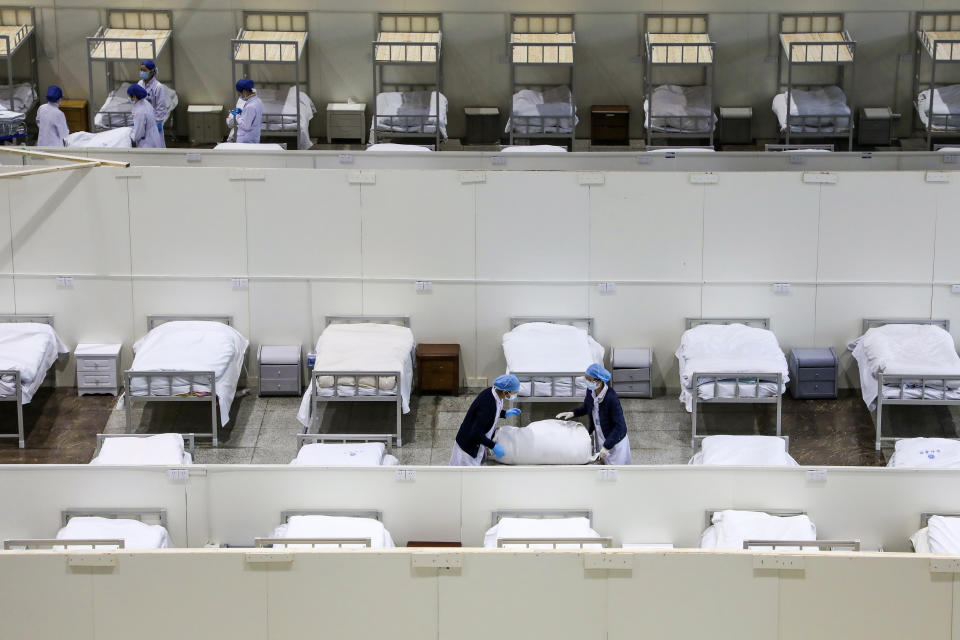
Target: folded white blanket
<point>404,111</point>
<point>545,442</point>
<point>680,108</point>
<point>402,148</point>
<point>731,528</point>
<point>314,527</point>
<point>555,106</point>
<point>744,450</point>
<point>135,534</point>
<point>943,534</point>
<point>248,146</point>
<point>117,110</point>
<point>110,139</point>
<point>934,453</point>
<point>821,101</point>
<point>360,454</point>
<point>30,348</point>
<point>946,107</point>
<point>538,528</point>
<point>544,347</point>
<point>24,95</point>
<point>163,448</point>
<point>534,148</point>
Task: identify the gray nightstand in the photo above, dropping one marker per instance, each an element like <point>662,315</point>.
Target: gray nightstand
<point>346,121</point>
<point>98,368</point>
<point>281,370</point>
<point>813,373</point>
<point>631,372</point>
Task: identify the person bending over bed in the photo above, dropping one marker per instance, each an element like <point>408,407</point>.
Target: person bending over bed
<point>476,431</point>
<point>606,417</point>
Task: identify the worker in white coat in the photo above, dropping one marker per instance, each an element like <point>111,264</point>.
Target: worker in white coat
<point>246,117</point>
<point>51,122</point>
<point>476,431</point>
<point>156,94</point>
<point>607,425</point>
<point>144,132</point>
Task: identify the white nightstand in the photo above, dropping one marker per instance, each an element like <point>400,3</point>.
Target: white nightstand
<point>346,120</point>
<point>98,368</point>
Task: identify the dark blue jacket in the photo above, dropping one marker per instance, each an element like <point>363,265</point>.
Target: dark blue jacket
<point>611,417</point>
<point>479,419</point>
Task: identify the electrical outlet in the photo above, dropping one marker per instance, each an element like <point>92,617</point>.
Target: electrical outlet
<point>424,286</point>
<point>607,475</point>
<point>345,158</point>
<point>193,156</point>
<point>816,475</point>
<point>498,160</point>
<point>781,287</point>
<point>704,177</point>
<point>406,475</point>
<point>607,287</point>
<point>178,475</point>
<point>240,284</point>
<point>64,282</point>
<point>644,160</point>
<point>955,288</point>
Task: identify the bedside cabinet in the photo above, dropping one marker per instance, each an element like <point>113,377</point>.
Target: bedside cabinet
<point>631,372</point>
<point>876,126</point>
<point>205,123</point>
<point>438,367</point>
<point>75,111</point>
<point>610,124</point>
<point>346,121</point>
<point>281,370</point>
<point>813,373</point>
<point>483,125</point>
<point>98,368</point>
<point>735,125</point>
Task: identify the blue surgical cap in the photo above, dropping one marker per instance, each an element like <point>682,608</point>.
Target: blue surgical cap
<point>149,64</point>
<point>244,84</point>
<point>597,372</point>
<point>507,382</point>
<point>54,93</point>
<point>137,91</point>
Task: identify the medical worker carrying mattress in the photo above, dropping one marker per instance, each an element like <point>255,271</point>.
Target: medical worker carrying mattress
<point>476,431</point>
<point>606,417</point>
<point>245,118</point>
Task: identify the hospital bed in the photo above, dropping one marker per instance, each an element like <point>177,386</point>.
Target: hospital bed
<point>344,450</point>
<point>29,347</point>
<point>18,96</point>
<point>766,530</point>
<point>906,362</point>
<point>390,147</point>
<point>755,373</point>
<point>678,42</point>
<point>816,43</point>
<point>938,533</point>
<point>534,148</point>
<point>767,451</point>
<point>144,449</point>
<point>104,528</point>
<point>550,355</point>
<point>408,45</point>
<point>155,375</point>
<point>117,110</point>
<point>361,359</point>
<point>936,45</point>
<point>925,453</point>
<point>329,528</point>
<point>544,529</point>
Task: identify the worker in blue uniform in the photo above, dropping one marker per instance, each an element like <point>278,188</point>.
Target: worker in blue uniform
<point>476,432</point>
<point>607,425</point>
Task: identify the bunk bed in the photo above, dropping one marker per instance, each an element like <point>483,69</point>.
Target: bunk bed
<point>938,40</point>
<point>17,96</point>
<point>277,38</point>
<point>544,42</point>
<point>814,109</point>
<point>408,109</point>
<point>673,42</point>
<point>129,36</point>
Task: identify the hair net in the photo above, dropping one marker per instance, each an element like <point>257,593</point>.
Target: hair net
<point>137,91</point>
<point>244,84</point>
<point>54,93</point>
<point>597,372</point>
<point>507,382</point>
<point>150,64</point>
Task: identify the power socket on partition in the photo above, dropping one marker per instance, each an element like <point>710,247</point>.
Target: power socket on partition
<point>955,288</point>
<point>406,475</point>
<point>781,287</point>
<point>64,282</point>
<point>240,284</point>
<point>423,286</point>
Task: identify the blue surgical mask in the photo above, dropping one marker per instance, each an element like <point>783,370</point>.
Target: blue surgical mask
<point>597,385</point>
<point>144,74</point>
<point>244,99</point>
<point>512,396</point>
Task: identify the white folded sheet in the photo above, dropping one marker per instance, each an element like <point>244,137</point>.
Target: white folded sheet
<point>729,348</point>
<point>555,107</point>
<point>359,454</point>
<point>767,451</point>
<point>117,109</point>
<point>545,442</point>
<point>340,527</point>
<point>163,449</point>
<point>534,148</point>
<point>509,528</point>
<point>403,111</point>
<point>24,95</point>
<point>135,534</point>
<point>248,146</point>
<point>544,347</point>
<point>946,102</point>
<point>943,534</point>
<point>190,346</point>
<point>110,139</point>
<point>906,349</point>
<point>681,109</point>
<point>931,453</point>
<point>821,101</point>
<point>730,528</point>
<point>402,148</point>
<point>30,348</point>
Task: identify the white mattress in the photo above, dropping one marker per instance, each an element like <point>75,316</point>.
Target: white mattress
<point>118,138</point>
<point>314,527</point>
<point>402,148</point>
<point>360,454</point>
<point>120,108</point>
<point>730,528</point>
<point>767,451</point>
<point>510,528</point>
<point>545,442</point>
<point>674,106</point>
<point>248,146</point>
<point>30,348</point>
<point>820,101</point>
<point>365,346</point>
<point>544,347</point>
<point>942,535</point>
<point>161,449</point>
<point>906,349</point>
<point>402,111</point>
<point>534,148</point>
<point>135,534</point>
<point>729,348</point>
<point>190,346</point>
<point>24,95</point>
<point>946,102</point>
<point>930,453</point>
<point>555,105</point>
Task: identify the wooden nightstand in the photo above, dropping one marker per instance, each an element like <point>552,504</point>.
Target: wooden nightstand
<point>610,124</point>
<point>439,368</point>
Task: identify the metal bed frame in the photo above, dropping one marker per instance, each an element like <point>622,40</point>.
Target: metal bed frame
<point>807,23</point>
<point>24,18</point>
<point>17,381</point>
<point>128,19</point>
<point>342,438</point>
<point>797,147</point>
<point>159,515</point>
<point>553,376</point>
<point>195,377</point>
<point>605,542</point>
<point>908,380</point>
<point>189,437</point>
<point>822,545</point>
<point>417,22</point>
<point>705,57</point>
<point>24,544</point>
<point>749,377</point>
<point>273,21</point>
<point>141,514</point>
<point>773,512</point>
<point>786,441</point>
<point>397,398</point>
<point>934,21</point>
<point>534,127</point>
<point>326,542</point>
<point>925,517</point>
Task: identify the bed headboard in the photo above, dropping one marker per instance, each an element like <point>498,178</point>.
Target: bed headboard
<point>759,323</point>
<point>341,513</point>
<point>675,23</point>
<point>155,321</point>
<point>773,512</point>
<point>17,16</point>
<point>925,517</point>
<point>148,516</point>
<point>542,514</point>
<point>275,20</point>
<point>410,23</point>
<point>872,323</point>
<point>938,21</point>
<point>400,321</point>
<point>22,317</point>
<point>811,22</point>
<point>542,23</point>
<point>583,323</point>
<point>161,19</point>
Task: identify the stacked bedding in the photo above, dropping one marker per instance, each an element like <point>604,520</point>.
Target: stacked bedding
<point>534,148</point>
<point>821,101</point>
<point>117,108</point>
<point>729,529</point>
<point>30,348</point>
<point>163,448</point>
<point>135,534</point>
<point>110,139</point>
<point>20,100</point>
<point>404,111</point>
<point>930,453</point>
<point>555,107</point>
<point>545,442</point>
<point>339,527</point>
<point>941,535</point>
<point>680,109</point>
<point>946,108</point>
<point>512,528</point>
<point>360,454</point>
<point>768,451</point>
<point>402,148</point>
<point>544,347</point>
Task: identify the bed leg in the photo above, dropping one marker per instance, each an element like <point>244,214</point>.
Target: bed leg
<point>22,442</point>
<point>693,435</point>
<point>213,417</point>
<point>399,412</point>
<point>128,408</point>
<point>879,420</point>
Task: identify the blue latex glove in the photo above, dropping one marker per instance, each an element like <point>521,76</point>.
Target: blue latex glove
<point>512,412</point>
<point>498,451</point>
<point>236,111</point>
<point>160,127</point>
